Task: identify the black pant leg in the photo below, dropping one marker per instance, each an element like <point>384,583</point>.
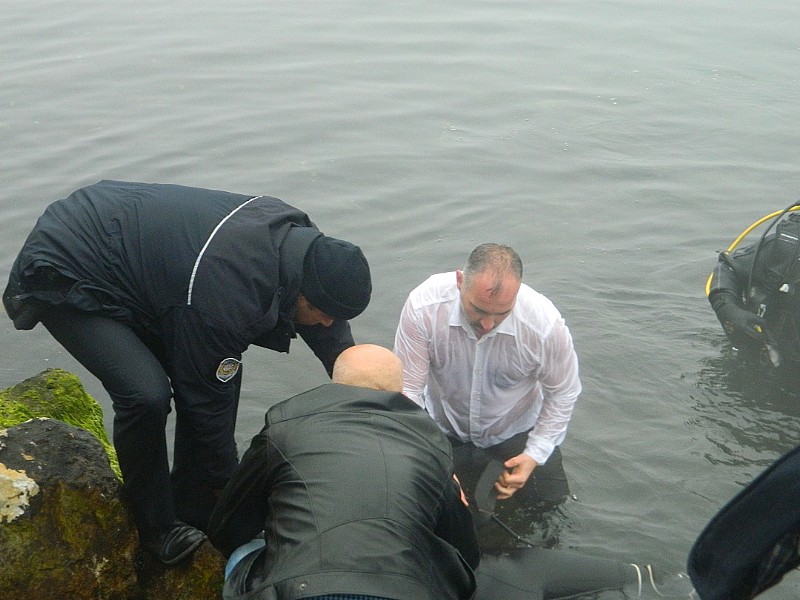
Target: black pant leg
<point>204,456</point>
<point>141,394</point>
<point>548,483</point>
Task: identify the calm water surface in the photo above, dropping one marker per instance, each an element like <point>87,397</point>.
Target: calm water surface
<point>617,145</point>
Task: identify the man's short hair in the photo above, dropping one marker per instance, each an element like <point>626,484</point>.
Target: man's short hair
<point>495,258</point>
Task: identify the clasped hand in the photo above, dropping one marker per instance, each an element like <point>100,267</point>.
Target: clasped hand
<point>517,471</point>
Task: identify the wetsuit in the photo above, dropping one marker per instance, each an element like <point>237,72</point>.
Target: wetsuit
<point>765,315</point>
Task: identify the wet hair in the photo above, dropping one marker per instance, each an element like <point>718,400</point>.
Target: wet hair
<point>497,259</point>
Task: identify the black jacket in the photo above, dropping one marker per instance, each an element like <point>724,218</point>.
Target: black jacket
<point>752,542</point>
<point>354,491</point>
<point>201,274</point>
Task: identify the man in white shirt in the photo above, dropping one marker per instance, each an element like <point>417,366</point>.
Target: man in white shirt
<point>493,363</point>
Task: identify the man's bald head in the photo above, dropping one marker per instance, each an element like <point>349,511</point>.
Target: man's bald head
<point>369,366</point>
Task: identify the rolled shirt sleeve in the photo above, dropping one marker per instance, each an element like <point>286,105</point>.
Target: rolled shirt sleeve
<point>561,386</point>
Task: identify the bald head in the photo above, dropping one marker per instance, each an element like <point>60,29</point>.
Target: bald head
<point>369,366</point>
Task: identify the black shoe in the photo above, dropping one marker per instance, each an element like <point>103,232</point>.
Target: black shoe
<point>176,543</point>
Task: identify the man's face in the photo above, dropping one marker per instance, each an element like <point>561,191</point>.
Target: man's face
<point>483,309</point>
<point>307,314</point>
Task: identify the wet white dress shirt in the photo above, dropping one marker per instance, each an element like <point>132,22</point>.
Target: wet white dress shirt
<point>521,375</point>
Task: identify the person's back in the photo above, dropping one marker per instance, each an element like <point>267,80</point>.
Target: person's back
<point>353,488</point>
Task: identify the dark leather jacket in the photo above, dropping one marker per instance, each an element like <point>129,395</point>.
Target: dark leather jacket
<point>353,489</point>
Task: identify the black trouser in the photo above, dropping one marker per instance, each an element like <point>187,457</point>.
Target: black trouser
<point>140,391</point>
<point>547,484</point>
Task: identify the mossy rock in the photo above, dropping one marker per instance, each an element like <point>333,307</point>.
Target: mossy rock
<point>73,536</point>
<point>56,394</point>
<point>200,577</point>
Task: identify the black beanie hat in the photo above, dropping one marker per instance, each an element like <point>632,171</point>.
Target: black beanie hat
<point>336,278</point>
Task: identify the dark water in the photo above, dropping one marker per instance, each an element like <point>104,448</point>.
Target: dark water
<point>617,145</point>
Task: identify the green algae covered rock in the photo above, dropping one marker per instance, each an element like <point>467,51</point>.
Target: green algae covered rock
<point>56,394</point>
<point>200,578</point>
<point>66,532</point>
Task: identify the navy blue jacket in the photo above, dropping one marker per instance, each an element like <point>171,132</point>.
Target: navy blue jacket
<point>200,274</point>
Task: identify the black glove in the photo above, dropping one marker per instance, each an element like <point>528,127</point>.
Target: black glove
<point>736,319</point>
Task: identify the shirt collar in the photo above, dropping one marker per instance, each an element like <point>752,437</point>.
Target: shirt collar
<point>457,320</point>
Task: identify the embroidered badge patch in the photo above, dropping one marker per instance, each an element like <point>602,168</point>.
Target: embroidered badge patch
<point>227,369</point>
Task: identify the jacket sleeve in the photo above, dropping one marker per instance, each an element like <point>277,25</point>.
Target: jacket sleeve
<point>327,343</point>
<point>456,526</point>
<point>241,510</point>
